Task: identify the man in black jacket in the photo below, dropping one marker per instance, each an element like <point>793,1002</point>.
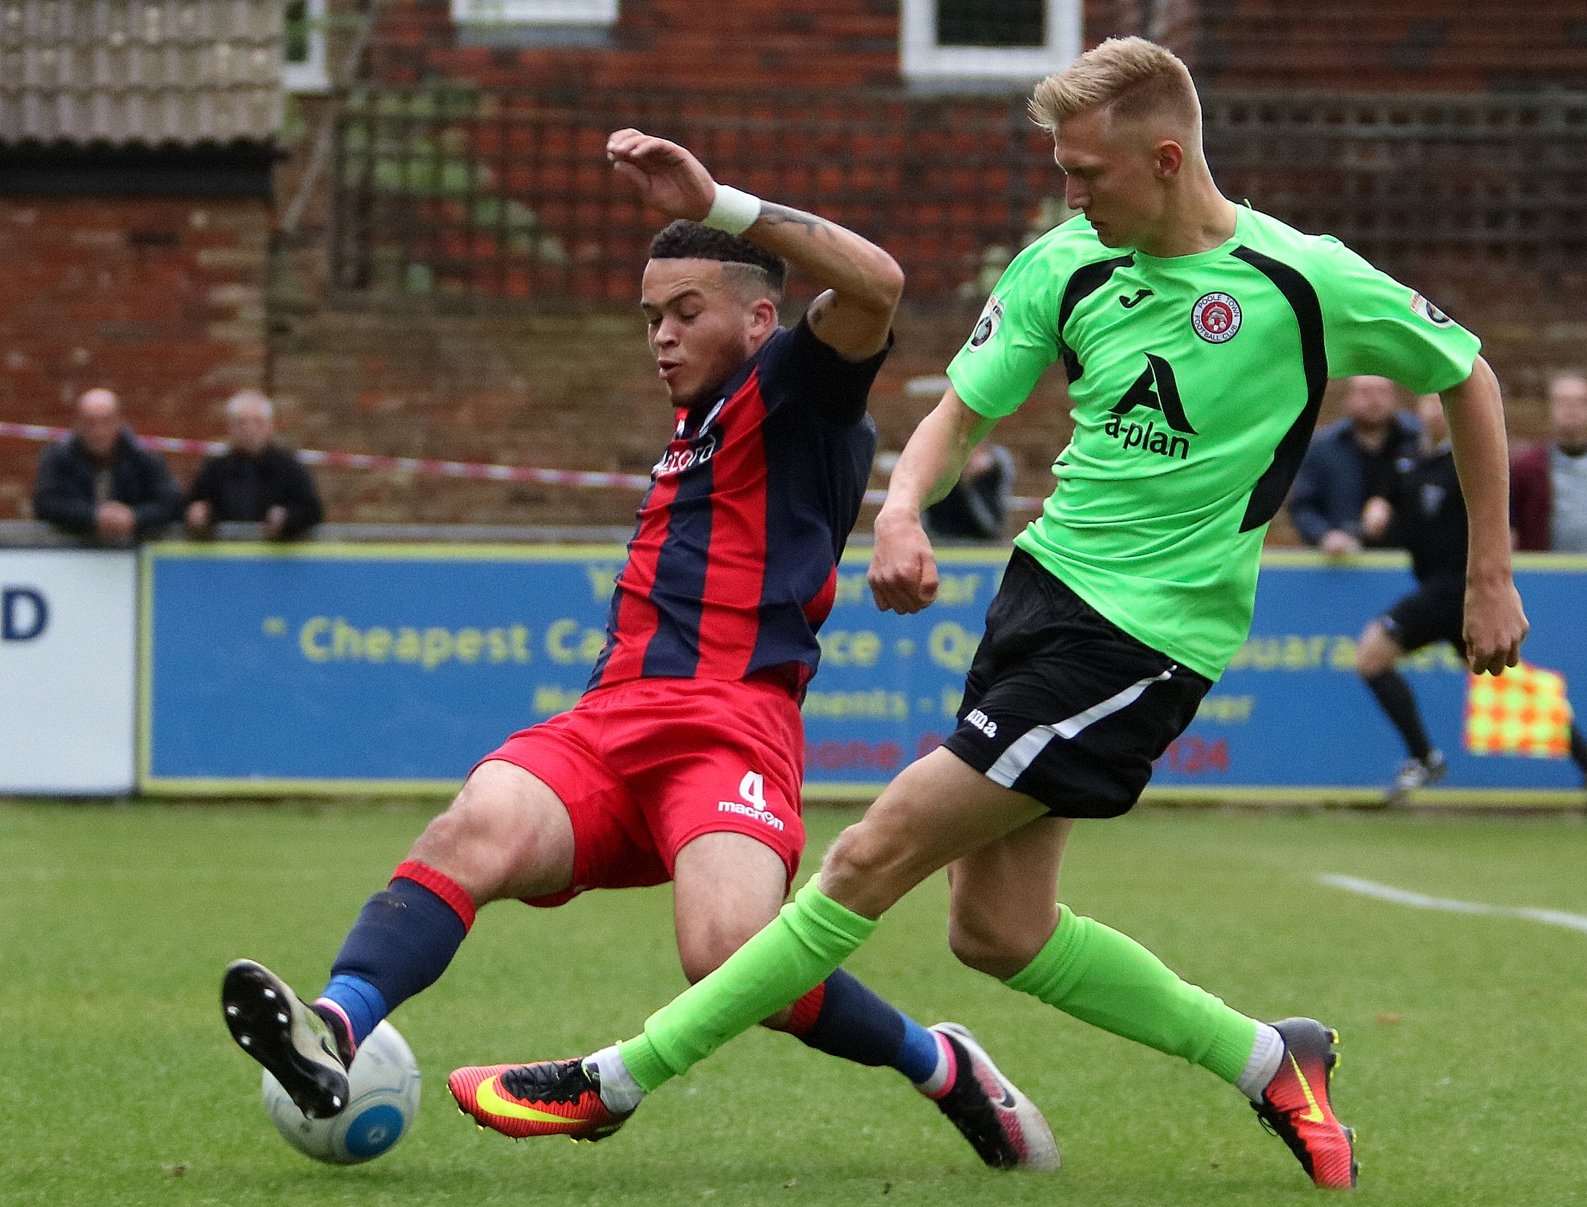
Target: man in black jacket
<point>977,506</point>
<point>1424,513</point>
<point>1350,463</point>
<point>255,480</point>
<point>101,482</point>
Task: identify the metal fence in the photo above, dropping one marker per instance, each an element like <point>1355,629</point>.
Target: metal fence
<point>506,197</point>
<point>1466,182</point>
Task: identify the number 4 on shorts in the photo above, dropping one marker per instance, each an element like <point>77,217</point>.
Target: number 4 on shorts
<point>752,789</point>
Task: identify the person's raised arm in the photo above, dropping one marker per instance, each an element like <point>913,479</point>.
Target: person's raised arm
<point>1495,624</point>
<point>903,574</point>
<point>862,283</point>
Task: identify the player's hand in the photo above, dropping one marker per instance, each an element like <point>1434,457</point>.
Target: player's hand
<point>275,521</point>
<point>115,522</point>
<point>1337,542</point>
<point>1495,625</point>
<point>903,574</point>
<point>1376,516</point>
<point>664,174</point>
<point>197,517</point>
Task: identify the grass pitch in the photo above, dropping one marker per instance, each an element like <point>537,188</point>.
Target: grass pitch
<point>1463,1035</point>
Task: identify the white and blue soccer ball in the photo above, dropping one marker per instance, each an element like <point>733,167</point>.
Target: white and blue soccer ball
<point>383,1102</point>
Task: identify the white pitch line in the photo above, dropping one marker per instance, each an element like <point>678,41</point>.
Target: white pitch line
<point>1400,896</point>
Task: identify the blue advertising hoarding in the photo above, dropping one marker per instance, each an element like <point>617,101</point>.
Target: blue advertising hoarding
<point>356,668</point>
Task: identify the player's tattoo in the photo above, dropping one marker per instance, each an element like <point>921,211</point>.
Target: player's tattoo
<point>781,215</point>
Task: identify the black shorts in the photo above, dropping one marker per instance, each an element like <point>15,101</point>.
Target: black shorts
<point>1063,705</point>
<point>1432,612</point>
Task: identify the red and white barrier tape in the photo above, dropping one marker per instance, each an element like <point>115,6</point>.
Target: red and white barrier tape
<point>427,467</point>
<point>423,466</point>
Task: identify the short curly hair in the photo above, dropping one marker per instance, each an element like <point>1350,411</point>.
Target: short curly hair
<point>685,240</point>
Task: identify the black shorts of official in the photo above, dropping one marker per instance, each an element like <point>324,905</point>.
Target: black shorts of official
<point>1063,705</point>
<point>1432,612</point>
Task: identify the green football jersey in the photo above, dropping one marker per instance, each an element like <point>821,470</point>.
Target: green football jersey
<point>1196,382</point>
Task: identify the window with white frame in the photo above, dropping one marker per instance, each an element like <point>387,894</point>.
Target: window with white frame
<point>303,47</point>
<point>535,12</point>
<point>988,39</point>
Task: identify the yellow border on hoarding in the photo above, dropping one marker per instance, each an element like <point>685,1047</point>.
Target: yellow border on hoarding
<point>960,555</point>
<point>1484,798</point>
<point>1477,797</point>
<point>196,786</point>
<point>143,735</point>
<point>147,782</point>
<point>380,551</point>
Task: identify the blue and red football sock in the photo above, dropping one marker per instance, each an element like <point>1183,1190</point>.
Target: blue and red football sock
<point>843,1018</point>
<point>404,938</point>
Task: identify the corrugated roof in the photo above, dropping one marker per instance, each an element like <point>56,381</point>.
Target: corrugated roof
<point>140,71</point>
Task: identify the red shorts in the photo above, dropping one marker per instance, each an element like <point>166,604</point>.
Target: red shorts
<point>645,767</point>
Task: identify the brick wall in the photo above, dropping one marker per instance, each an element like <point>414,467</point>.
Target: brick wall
<point>1393,45</point>
<point>579,392</point>
<point>747,44</point>
<point>160,300</point>
<point>1353,44</point>
<point>575,392</point>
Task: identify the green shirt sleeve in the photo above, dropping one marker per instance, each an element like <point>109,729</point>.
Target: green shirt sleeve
<point>1014,340</point>
<point>1373,324</point>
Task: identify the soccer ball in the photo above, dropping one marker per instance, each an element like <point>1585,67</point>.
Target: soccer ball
<point>383,1101</point>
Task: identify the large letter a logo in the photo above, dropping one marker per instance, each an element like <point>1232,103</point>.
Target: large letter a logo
<point>1155,390</point>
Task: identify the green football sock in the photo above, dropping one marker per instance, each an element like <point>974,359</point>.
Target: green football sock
<point>792,954</point>
<point>1111,981</point>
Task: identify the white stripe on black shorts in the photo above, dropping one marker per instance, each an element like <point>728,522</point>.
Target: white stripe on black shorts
<point>1063,705</point>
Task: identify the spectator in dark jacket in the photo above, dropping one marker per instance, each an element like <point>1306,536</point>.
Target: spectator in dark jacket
<point>1548,482</point>
<point>976,507</point>
<point>1425,513</point>
<point>1350,462</point>
<point>255,480</point>
<point>101,482</point>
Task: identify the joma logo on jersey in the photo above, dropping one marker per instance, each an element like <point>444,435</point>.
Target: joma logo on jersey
<point>677,460</point>
<point>1154,390</point>
<point>982,722</point>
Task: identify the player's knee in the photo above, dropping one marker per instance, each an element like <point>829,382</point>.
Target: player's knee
<point>869,868</point>
<point>989,945</point>
<point>1374,652</point>
<point>475,843</point>
<point>707,949</point>
<point>703,953</point>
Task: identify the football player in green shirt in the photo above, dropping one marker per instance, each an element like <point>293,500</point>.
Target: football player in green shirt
<point>1197,337</point>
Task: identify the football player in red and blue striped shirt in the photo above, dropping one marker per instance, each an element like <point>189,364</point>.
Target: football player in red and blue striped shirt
<point>683,761</point>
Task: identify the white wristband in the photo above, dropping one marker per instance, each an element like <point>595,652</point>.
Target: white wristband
<point>732,210</point>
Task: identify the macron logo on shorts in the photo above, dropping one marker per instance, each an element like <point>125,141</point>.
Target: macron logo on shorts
<point>752,788</point>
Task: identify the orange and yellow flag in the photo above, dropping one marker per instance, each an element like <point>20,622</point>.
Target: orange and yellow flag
<point>1523,711</point>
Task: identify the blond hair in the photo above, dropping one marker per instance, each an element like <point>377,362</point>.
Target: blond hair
<point>1129,77</point>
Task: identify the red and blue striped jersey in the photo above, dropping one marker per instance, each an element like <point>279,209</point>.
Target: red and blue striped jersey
<point>733,565</point>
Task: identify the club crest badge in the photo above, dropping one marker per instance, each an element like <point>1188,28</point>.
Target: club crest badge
<point>987,325</point>
<point>1216,317</point>
<point>1420,305</point>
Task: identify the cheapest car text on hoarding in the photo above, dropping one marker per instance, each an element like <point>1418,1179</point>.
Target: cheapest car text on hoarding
<point>357,668</point>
